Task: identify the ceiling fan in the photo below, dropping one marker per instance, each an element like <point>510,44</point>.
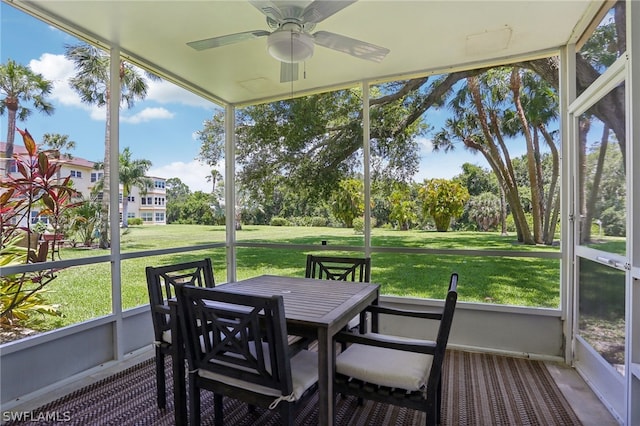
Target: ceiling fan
<point>291,40</point>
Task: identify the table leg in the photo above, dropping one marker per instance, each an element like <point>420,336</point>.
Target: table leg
<point>326,360</point>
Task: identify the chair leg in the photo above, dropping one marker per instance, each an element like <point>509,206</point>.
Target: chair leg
<point>161,390</point>
<point>439,402</point>
<point>286,414</point>
<point>194,402</point>
<point>432,408</point>
<point>431,419</point>
<point>218,414</point>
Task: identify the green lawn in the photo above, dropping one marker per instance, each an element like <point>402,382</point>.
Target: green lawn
<point>85,292</point>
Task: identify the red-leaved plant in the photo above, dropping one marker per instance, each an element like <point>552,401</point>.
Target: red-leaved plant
<point>35,186</point>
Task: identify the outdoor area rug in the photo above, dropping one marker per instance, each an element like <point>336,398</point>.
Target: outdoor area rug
<point>478,389</point>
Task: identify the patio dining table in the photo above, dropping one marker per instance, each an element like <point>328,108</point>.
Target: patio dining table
<point>317,307</point>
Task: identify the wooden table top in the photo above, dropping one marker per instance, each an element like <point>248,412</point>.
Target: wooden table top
<point>309,301</point>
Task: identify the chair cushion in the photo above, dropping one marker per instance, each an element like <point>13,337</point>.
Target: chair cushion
<point>166,336</point>
<point>304,374</point>
<point>385,367</point>
<point>353,323</point>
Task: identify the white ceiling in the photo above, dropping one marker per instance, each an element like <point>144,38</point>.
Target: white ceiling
<point>423,36</point>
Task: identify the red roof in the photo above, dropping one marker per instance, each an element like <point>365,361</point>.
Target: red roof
<point>76,161</point>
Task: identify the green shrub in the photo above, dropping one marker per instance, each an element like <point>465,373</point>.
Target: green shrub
<point>613,222</point>
<point>319,221</point>
<point>358,224</point>
<point>299,221</point>
<point>135,221</point>
<point>279,221</point>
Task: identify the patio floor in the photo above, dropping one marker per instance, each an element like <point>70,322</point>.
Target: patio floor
<point>586,406</point>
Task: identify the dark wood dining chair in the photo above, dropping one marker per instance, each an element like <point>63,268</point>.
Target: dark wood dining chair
<point>398,370</point>
<point>356,269</point>
<point>160,285</point>
<point>236,346</point>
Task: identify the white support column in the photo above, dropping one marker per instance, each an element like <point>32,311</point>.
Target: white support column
<point>632,354</point>
<point>230,189</point>
<point>366,159</point>
<point>114,205</point>
<point>568,139</point>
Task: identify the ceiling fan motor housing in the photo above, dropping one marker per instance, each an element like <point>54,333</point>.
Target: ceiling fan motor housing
<point>290,43</point>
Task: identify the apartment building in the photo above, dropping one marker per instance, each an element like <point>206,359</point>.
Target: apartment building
<point>150,207</point>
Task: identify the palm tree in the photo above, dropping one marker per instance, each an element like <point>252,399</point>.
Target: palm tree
<point>92,84</point>
<point>132,174</point>
<point>57,143</point>
<point>476,122</point>
<point>18,86</point>
<point>540,104</point>
<point>214,177</point>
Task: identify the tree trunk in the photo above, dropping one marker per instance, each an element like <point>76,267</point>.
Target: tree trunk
<point>500,167</point>
<point>503,212</point>
<point>520,221</point>
<point>125,209</point>
<point>104,205</point>
<point>585,231</point>
<point>531,158</point>
<point>12,109</point>
<point>442,222</point>
<point>551,217</point>
<point>592,196</point>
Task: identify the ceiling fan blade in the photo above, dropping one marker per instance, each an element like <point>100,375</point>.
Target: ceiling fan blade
<point>209,43</point>
<point>288,72</point>
<point>269,9</point>
<point>351,46</point>
<point>320,10</point>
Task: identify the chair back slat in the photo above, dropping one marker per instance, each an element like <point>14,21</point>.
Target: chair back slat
<point>161,281</point>
<point>353,269</point>
<point>444,330</point>
<point>240,336</point>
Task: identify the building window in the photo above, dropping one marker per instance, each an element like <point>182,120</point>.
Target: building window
<point>158,184</point>
<point>120,198</point>
<point>146,201</point>
<point>158,201</point>
<point>159,217</point>
<point>131,215</point>
<point>76,174</point>
<point>131,199</point>
<point>96,176</point>
<point>35,218</point>
<point>146,216</point>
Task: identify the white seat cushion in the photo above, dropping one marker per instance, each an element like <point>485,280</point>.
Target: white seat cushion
<point>166,336</point>
<point>304,374</point>
<point>385,367</point>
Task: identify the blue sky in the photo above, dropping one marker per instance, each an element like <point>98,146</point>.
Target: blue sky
<point>161,128</point>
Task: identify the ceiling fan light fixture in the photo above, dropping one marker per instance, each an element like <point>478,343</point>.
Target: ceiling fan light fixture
<point>290,46</point>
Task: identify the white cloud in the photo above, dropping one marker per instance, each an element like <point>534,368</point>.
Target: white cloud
<point>165,92</point>
<point>426,145</point>
<point>58,69</point>
<point>148,114</point>
<point>193,174</point>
